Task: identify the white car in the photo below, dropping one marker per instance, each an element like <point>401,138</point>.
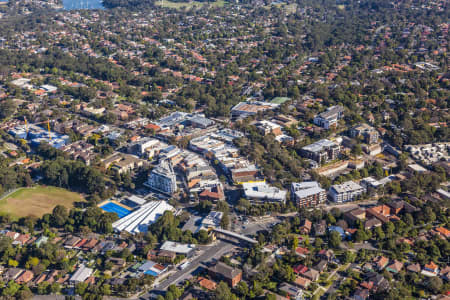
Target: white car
<point>184,265</point>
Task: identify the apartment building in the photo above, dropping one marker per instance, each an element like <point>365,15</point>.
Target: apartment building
<point>330,117</point>
<point>308,194</point>
<point>347,191</point>
<point>163,178</point>
<point>321,151</point>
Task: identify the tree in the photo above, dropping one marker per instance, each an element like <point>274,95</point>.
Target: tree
<point>270,296</point>
<point>202,237</point>
<point>80,288</point>
<point>11,289</point>
<point>335,239</point>
<point>357,149</point>
<point>295,243</point>
<point>379,234</point>
<point>222,206</point>
<point>330,219</point>
<point>169,296</point>
<point>223,292</point>
<point>176,292</point>
<point>361,235</point>
<point>55,288</point>
<point>435,285</point>
<point>242,289</point>
<point>349,257</point>
<point>7,108</point>
<point>318,242</point>
<point>225,221</point>
<point>42,288</point>
<point>13,263</point>
<point>24,294</point>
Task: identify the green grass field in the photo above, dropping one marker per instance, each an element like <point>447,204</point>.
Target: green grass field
<point>37,201</point>
<point>188,5</point>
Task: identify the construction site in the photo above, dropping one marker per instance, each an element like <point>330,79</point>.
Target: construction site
<point>38,133</point>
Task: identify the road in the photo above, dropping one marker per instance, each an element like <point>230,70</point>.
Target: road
<point>213,252</point>
<point>334,287</point>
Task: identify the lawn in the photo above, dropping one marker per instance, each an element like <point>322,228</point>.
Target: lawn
<point>188,5</point>
<point>37,201</point>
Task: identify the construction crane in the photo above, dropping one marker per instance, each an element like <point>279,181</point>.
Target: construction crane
<point>49,131</point>
<point>48,127</point>
<point>26,125</point>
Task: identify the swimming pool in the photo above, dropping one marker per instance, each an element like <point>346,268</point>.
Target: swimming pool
<point>114,208</point>
<point>151,272</point>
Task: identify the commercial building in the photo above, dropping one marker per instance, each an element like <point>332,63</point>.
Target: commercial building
<point>330,117</point>
<point>140,219</point>
<point>347,191</point>
<point>178,248</point>
<point>307,194</point>
<point>262,192</point>
<point>241,173</point>
<point>199,121</point>
<point>212,193</point>
<point>163,178</point>
<point>321,151</point>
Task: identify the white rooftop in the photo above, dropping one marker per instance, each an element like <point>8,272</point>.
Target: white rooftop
<point>140,219</point>
<point>307,188</point>
<point>319,145</point>
<point>81,274</point>
<point>177,247</point>
<point>261,190</point>
<point>346,187</point>
<point>136,199</point>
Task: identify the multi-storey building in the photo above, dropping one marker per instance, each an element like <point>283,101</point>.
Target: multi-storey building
<point>307,194</point>
<point>330,117</point>
<point>321,151</point>
<point>347,191</point>
<point>163,178</point>
<point>368,133</point>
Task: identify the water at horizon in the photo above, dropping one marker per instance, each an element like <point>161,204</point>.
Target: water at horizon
<point>82,4</point>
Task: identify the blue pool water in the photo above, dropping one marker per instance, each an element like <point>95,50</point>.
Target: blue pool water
<point>114,208</point>
<point>152,273</point>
